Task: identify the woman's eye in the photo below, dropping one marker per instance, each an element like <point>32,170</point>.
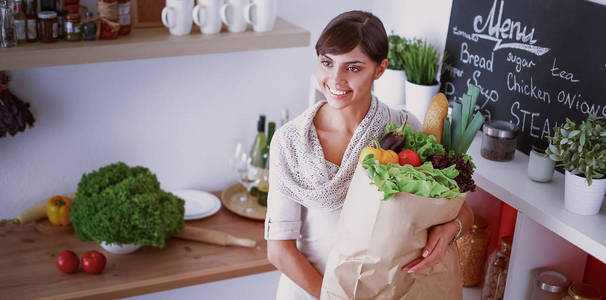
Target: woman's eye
<point>353,68</point>
<point>326,63</point>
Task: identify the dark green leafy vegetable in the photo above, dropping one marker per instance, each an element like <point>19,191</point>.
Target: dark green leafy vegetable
<point>125,205</point>
<point>423,181</point>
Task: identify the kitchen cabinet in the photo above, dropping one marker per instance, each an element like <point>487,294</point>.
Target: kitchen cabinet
<point>28,271</point>
<point>546,234</point>
<point>150,43</point>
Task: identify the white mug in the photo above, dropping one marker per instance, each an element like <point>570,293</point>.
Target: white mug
<point>207,15</point>
<point>177,16</point>
<point>265,17</point>
<point>232,14</point>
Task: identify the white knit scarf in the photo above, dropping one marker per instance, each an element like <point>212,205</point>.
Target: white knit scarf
<point>298,169</point>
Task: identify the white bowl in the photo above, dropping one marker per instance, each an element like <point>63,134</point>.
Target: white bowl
<point>115,249</point>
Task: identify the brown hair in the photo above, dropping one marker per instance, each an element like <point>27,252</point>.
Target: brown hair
<point>353,28</point>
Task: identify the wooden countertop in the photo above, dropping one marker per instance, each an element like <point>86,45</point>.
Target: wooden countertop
<point>28,271</point>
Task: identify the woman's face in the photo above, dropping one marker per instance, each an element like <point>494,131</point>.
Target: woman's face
<point>346,79</point>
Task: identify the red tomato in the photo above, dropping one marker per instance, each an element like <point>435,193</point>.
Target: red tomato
<point>409,157</point>
<point>93,262</point>
<point>67,261</point>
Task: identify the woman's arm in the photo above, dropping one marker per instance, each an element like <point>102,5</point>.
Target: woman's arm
<point>439,239</point>
<point>287,258</point>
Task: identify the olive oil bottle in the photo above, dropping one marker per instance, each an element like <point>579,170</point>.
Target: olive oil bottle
<point>264,172</point>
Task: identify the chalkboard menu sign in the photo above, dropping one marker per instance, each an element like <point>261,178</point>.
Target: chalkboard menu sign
<point>536,61</point>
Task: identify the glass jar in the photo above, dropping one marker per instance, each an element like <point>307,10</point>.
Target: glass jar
<point>496,271</point>
<point>499,140</point>
<point>47,26</point>
<point>582,291</point>
<point>540,166</point>
<point>89,28</point>
<point>472,252</point>
<point>549,284</point>
<point>108,11</point>
<point>72,28</point>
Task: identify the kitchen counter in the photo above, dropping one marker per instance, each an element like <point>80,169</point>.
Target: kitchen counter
<point>28,271</point>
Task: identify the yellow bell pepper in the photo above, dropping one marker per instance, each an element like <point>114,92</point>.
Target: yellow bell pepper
<point>58,209</point>
<point>383,156</point>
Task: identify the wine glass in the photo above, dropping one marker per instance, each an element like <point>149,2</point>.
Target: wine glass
<point>248,175</point>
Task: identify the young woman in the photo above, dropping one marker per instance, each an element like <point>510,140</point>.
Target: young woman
<point>313,157</point>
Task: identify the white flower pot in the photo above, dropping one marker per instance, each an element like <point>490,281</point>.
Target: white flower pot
<point>124,249</point>
<point>580,198</point>
<point>389,88</point>
<point>418,98</point>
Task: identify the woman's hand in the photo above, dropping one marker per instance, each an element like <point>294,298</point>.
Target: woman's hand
<point>439,239</point>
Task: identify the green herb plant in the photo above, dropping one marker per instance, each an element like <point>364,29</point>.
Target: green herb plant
<point>395,55</point>
<point>423,181</point>
<point>125,205</point>
<point>421,62</point>
<point>459,132</point>
<point>580,148</point>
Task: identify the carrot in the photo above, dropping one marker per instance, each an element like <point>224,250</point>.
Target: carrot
<point>434,117</point>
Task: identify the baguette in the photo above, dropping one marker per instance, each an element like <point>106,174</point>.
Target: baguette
<point>33,213</point>
<point>434,117</point>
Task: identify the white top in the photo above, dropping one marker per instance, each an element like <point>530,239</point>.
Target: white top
<point>305,218</point>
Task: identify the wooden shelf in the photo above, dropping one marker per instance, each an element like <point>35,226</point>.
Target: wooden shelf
<point>543,203</point>
<point>28,271</point>
<point>149,43</point>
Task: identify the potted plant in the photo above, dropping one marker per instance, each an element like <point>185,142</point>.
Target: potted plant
<point>389,88</point>
<point>123,208</point>
<point>421,64</point>
<point>582,151</point>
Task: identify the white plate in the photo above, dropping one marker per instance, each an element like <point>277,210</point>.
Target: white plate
<point>198,204</point>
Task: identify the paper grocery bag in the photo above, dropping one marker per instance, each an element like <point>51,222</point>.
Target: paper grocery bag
<point>376,238</point>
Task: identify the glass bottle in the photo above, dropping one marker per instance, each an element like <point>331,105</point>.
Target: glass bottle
<point>124,17</point>
<point>31,24</point>
<point>472,252</point>
<point>8,25</point>
<point>89,28</point>
<point>60,19</point>
<point>264,172</point>
<point>284,116</point>
<point>496,271</point>
<point>19,20</point>
<point>255,150</point>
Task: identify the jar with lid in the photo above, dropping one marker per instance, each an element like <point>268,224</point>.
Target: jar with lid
<point>89,27</point>
<point>582,291</point>
<point>108,12</point>
<point>549,284</point>
<point>72,28</point>
<point>496,271</point>
<point>540,166</point>
<point>47,26</point>
<point>499,140</point>
<point>472,252</point>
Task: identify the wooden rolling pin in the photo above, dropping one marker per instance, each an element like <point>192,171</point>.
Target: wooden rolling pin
<point>215,237</point>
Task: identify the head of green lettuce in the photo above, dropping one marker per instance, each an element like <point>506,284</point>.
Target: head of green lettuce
<point>125,205</point>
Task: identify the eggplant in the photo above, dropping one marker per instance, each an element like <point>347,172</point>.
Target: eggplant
<point>394,140</point>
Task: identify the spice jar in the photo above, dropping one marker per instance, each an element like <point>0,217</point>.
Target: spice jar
<point>47,26</point>
<point>499,140</point>
<point>540,166</point>
<point>108,12</point>
<point>72,28</point>
<point>549,284</point>
<point>496,271</point>
<point>89,27</point>
<point>582,291</point>
<point>472,252</point>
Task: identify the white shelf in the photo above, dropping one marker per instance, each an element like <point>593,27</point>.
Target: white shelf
<point>541,202</point>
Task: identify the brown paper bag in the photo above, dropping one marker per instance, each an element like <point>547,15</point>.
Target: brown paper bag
<point>375,239</point>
